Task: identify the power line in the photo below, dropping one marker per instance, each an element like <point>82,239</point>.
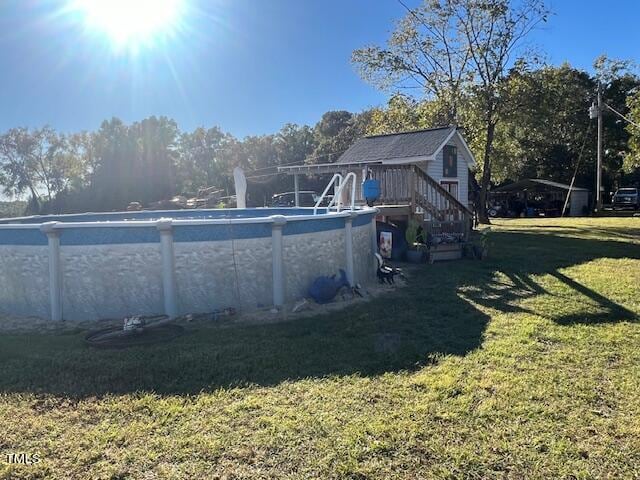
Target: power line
<point>621,115</point>
<point>575,172</point>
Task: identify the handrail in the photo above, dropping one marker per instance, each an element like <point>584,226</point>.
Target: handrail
<point>443,191</point>
<point>408,183</point>
<point>338,193</point>
<point>336,176</point>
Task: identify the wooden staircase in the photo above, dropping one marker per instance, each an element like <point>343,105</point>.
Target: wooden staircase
<point>432,204</point>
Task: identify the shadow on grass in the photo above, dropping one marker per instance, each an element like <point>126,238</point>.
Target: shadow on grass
<point>435,315</point>
<point>524,255</point>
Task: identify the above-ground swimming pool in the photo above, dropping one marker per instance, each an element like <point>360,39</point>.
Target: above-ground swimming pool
<point>107,265</point>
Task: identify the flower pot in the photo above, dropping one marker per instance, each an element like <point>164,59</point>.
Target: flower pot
<point>415,256</point>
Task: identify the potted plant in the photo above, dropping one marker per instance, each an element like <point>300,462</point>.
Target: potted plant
<point>416,247</point>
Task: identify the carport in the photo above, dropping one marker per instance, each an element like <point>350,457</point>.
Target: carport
<point>538,197</point>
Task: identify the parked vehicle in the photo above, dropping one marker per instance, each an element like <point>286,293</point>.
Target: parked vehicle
<point>176,203</point>
<point>308,198</point>
<point>626,198</point>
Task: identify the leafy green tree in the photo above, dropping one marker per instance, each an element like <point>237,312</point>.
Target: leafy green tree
<point>294,143</point>
<point>632,159</point>
<point>154,161</point>
<point>335,133</point>
<point>17,152</point>
<point>618,82</point>
<point>428,51</point>
<point>403,113</point>
<point>134,163</point>
<point>113,184</point>
<point>452,48</point>
<point>329,137</point>
<point>198,161</point>
<point>39,162</point>
<point>543,136</point>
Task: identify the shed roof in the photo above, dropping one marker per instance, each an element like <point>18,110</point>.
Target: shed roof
<point>417,143</point>
<point>529,183</point>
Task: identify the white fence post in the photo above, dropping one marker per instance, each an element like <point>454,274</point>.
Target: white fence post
<point>169,284</point>
<point>279,221</point>
<point>55,270</point>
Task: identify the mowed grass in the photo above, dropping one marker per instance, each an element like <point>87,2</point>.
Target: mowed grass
<point>526,365</point>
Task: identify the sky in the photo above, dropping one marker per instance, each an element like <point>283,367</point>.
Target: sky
<point>247,66</point>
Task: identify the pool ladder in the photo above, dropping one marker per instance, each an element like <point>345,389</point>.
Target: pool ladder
<point>340,183</point>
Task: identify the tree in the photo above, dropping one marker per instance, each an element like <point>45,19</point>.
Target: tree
<point>451,48</point>
<point>56,166</point>
<point>619,84</point>
<point>17,148</point>
<point>134,163</point>
<point>36,161</point>
<point>294,143</point>
<point>618,143</point>
<point>403,113</point>
<point>82,146</point>
<point>427,51</point>
<point>153,166</point>
<point>113,186</point>
<point>543,137</point>
<point>632,159</point>
<point>198,161</point>
<point>328,136</point>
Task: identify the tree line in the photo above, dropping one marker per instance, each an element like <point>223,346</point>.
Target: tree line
<point>152,160</point>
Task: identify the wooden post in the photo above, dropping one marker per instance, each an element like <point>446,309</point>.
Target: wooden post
<point>412,187</point>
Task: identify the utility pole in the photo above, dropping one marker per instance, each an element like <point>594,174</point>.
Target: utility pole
<point>599,172</point>
<point>596,112</point>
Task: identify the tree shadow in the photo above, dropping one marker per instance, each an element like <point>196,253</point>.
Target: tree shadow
<point>608,311</point>
<point>548,253</point>
<point>436,315</point>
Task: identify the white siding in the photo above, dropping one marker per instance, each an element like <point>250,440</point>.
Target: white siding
<point>435,170</point>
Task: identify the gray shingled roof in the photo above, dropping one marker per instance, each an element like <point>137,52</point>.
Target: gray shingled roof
<point>396,145</point>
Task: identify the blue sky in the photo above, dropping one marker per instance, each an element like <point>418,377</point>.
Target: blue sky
<point>248,66</point>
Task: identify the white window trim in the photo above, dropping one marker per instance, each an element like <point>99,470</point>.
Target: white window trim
<point>452,180</point>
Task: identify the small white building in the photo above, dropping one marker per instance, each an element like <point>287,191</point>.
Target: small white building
<point>423,174</point>
<point>441,153</point>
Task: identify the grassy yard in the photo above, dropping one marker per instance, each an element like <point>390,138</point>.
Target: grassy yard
<point>526,365</point>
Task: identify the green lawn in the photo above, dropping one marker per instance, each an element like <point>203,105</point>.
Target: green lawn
<point>526,365</point>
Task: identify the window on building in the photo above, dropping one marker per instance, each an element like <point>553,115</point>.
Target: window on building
<point>450,161</point>
<point>451,187</point>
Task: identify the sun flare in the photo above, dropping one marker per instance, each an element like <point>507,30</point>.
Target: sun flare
<point>129,23</point>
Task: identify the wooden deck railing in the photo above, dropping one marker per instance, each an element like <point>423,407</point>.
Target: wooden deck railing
<point>409,184</point>
<point>395,183</point>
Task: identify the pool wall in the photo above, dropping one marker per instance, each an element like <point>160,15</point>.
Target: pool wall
<point>114,265</point>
